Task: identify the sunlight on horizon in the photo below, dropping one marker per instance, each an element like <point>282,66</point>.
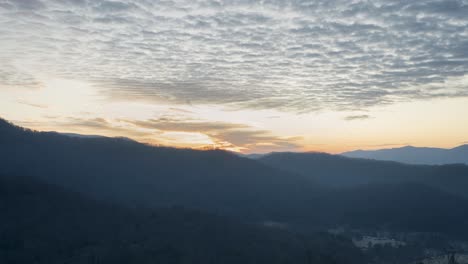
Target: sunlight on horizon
<point>244,76</point>
<point>77,107</point>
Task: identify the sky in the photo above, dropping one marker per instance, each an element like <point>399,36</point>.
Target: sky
<point>242,75</point>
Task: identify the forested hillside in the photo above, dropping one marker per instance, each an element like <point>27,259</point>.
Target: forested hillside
<point>339,171</point>
<point>44,224</point>
<point>288,190</point>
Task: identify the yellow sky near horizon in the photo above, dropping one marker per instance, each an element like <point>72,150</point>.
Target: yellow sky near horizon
<point>77,107</point>
<point>247,76</point>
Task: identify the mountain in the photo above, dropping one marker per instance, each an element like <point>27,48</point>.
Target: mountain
<point>253,155</point>
<point>75,135</point>
<point>415,155</point>
<point>300,192</point>
<point>45,224</point>
<point>80,135</point>
<point>341,172</point>
<point>136,174</point>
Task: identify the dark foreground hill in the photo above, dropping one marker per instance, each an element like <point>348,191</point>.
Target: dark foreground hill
<point>41,223</point>
<point>402,207</point>
<point>339,171</point>
<point>128,172</point>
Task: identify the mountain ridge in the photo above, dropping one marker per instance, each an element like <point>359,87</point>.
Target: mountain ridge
<point>293,190</point>
<point>341,171</point>
<point>415,155</point>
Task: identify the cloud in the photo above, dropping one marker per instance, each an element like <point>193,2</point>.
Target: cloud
<point>357,117</point>
<point>94,123</point>
<point>28,4</point>
<point>180,110</point>
<point>174,132</point>
<point>223,134</point>
<point>11,76</point>
<point>389,145</point>
<point>97,125</point>
<point>294,55</point>
<point>185,125</point>
<point>24,102</point>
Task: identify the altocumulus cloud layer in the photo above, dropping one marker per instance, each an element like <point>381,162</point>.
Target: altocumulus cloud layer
<point>297,55</point>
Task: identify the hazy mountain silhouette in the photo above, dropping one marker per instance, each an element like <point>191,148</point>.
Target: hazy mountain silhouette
<point>293,189</point>
<point>81,135</point>
<point>340,171</point>
<point>75,135</point>
<point>136,174</point>
<point>253,155</point>
<point>45,224</point>
<point>415,155</point>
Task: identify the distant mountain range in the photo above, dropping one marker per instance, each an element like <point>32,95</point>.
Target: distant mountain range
<point>415,155</point>
<point>342,172</point>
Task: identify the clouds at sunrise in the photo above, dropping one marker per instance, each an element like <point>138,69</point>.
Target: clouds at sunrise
<point>243,75</point>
